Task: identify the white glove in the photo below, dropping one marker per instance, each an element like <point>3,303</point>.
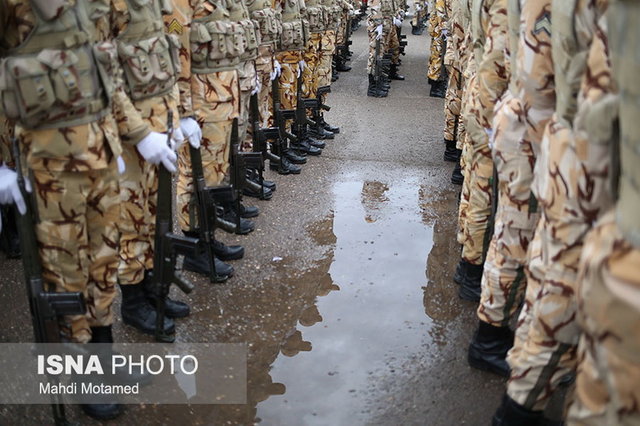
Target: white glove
<point>192,131</point>
<point>121,166</point>
<point>379,31</point>
<point>445,32</point>
<point>397,22</point>
<point>155,150</point>
<point>277,70</point>
<point>489,133</point>
<point>418,8</point>
<point>258,86</point>
<point>301,66</point>
<point>177,139</point>
<point>10,191</point>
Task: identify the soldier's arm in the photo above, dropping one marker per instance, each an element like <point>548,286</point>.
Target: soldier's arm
<point>492,75</point>
<point>535,67</point>
<point>131,127</point>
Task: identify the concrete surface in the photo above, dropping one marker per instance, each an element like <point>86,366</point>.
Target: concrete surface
<point>360,322</point>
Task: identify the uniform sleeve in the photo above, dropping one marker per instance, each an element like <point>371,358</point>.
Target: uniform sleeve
<point>131,127</point>
<point>178,23</point>
<point>492,78</point>
<point>535,67</point>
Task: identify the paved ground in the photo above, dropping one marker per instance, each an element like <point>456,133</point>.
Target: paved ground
<point>360,322</point>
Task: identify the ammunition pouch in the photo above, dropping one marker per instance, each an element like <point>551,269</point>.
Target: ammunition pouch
<point>216,45</point>
<point>316,18</point>
<point>293,36</point>
<point>269,24</point>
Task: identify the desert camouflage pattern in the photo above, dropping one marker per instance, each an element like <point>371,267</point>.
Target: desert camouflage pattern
<point>609,292</point>
<point>489,27</point>
<point>247,78</point>
<point>288,81</point>
<point>310,74</point>
<point>76,189</point>
<point>517,124</point>
<point>437,23</point>
<point>453,128</point>
<point>569,185</point>
<point>347,10</point>
<point>213,99</point>
<point>327,48</point>
<point>264,68</point>
<point>419,15</point>
<point>138,184</point>
<point>378,13</point>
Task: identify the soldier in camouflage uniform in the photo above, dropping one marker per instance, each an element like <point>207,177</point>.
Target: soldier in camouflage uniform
<point>380,23</point>
<point>489,27</point>
<point>608,298</point>
<point>571,187</point>
<point>518,127</point>
<point>420,13</point>
<point>332,12</point>
<point>133,28</point>
<point>341,55</point>
<point>436,72</point>
<point>71,141</point>
<point>452,62</point>
<point>210,93</point>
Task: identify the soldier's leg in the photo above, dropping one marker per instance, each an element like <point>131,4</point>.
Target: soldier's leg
<point>373,89</point>
<point>79,254</point>
<point>394,47</point>
<point>452,115</point>
<point>288,86</point>
<point>309,74</point>
<point>247,78</point>
<point>324,129</point>
<point>264,68</point>
<point>504,279</point>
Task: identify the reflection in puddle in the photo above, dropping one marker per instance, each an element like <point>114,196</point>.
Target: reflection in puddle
<point>373,324</point>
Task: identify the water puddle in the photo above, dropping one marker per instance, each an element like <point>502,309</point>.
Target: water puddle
<point>350,340</point>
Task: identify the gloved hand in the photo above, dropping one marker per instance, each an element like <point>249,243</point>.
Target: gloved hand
<point>258,86</point>
<point>155,150</point>
<point>177,139</point>
<point>277,70</point>
<point>301,66</point>
<point>489,133</point>
<point>10,191</point>
<point>192,131</point>
<point>397,22</point>
<point>379,32</point>
<point>122,167</point>
<point>418,8</point>
<point>444,32</point>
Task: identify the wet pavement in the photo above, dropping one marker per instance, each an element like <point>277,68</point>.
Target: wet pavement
<point>345,298</point>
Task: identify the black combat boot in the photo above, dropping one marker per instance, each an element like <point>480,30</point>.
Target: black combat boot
<point>457,178</point>
<point>319,132</point>
<point>450,151</point>
<point>172,308</point>
<point>200,265</point>
<point>9,237</point>
<point>104,335</point>
<point>221,250</point>
<point>461,271</point>
<point>415,30</point>
<point>255,190</point>
<point>104,411</point>
<point>226,219</point>
<point>489,347</point>
<point>286,167</point>
<point>139,313</point>
<point>438,89</point>
<point>470,286</point>
<point>373,89</point>
<point>341,64</point>
<point>254,176</point>
<point>393,73</point>
<point>295,157</point>
<point>304,147</point>
<point>248,212</point>
<point>510,413</point>
<point>328,127</point>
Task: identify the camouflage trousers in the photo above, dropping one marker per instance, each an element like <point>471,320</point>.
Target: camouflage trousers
<point>607,389</point>
<point>247,75</point>
<point>419,16</point>
<point>436,58</point>
<point>78,237</point>
<point>504,280</point>
<point>393,45</point>
<point>288,81</point>
<point>138,193</point>
<point>465,162</point>
<point>371,61</point>
<point>452,103</point>
<point>327,48</point>
<point>264,68</point>
<point>342,29</point>
<point>310,75</point>
<point>214,150</point>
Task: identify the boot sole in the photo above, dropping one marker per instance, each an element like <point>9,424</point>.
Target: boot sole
<point>484,366</point>
<point>145,331</point>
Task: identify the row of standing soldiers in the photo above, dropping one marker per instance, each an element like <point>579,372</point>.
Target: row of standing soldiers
<point>543,122</point>
<point>88,91</point>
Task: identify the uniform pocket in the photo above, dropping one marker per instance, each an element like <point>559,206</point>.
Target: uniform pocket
<point>34,93</point>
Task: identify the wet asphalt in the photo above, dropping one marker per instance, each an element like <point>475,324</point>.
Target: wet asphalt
<point>345,297</point>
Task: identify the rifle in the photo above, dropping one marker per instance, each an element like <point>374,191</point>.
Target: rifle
<point>344,48</point>
<point>402,40</point>
<point>167,247</point>
<point>206,199</point>
<point>261,135</point>
<point>46,307</point>
<point>239,162</point>
<point>303,104</point>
